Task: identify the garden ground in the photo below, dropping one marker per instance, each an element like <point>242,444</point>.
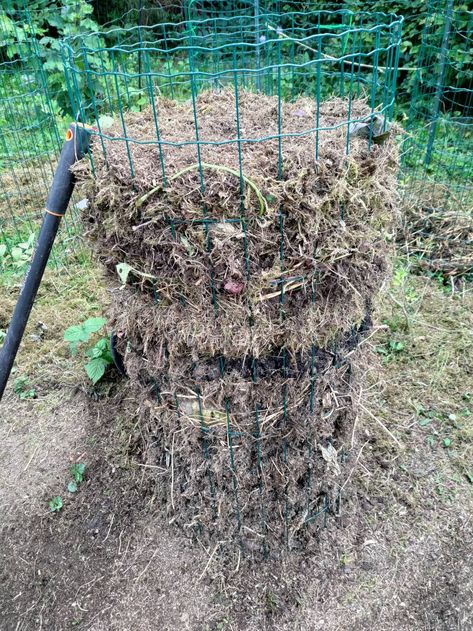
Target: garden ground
<point>399,557</point>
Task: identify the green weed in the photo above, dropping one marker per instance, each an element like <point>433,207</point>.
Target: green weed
<point>16,254</point>
<point>55,504</point>
<point>24,389</point>
<point>100,356</point>
<point>390,350</point>
<point>77,472</point>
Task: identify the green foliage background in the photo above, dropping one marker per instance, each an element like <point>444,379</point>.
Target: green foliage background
<point>49,21</point>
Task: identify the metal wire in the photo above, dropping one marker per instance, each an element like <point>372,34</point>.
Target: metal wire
<point>30,138</point>
<point>318,54</point>
<point>438,151</point>
<point>295,54</point>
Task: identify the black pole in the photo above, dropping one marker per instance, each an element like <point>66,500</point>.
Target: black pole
<point>74,148</point>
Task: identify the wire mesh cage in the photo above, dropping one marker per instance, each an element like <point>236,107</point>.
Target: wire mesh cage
<point>242,181</point>
<point>285,54</point>
<point>438,152</point>
<point>30,137</point>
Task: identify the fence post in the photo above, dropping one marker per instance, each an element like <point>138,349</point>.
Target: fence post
<point>439,85</point>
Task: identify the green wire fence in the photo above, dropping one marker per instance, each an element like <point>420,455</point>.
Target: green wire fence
<point>438,151</point>
<point>286,55</point>
<point>31,136</point>
<point>434,96</point>
<point>129,91</point>
<point>271,47</point>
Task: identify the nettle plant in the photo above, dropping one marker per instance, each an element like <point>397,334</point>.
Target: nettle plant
<point>99,355</point>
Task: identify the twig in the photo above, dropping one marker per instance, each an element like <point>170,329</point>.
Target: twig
<point>354,466</point>
<point>32,456</point>
<point>147,565</point>
<point>142,225</point>
<point>208,562</point>
<point>110,528</point>
<point>329,57</point>
<point>380,423</point>
<point>172,472</point>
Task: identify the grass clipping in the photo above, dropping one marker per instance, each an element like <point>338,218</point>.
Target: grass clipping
<point>234,265</point>
<point>239,299</point>
<point>437,228</point>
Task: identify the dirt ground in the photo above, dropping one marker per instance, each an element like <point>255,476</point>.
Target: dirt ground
<point>400,557</point>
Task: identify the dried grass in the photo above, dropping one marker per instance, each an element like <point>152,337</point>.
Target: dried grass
<point>239,335</point>
<point>438,229</point>
<point>319,246</point>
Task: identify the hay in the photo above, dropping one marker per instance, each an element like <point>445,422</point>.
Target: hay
<point>437,229</point>
<point>318,247</point>
<point>240,333</point>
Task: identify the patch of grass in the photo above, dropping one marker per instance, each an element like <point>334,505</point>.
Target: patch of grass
<point>272,602</point>
<point>67,295</point>
<point>427,354</point>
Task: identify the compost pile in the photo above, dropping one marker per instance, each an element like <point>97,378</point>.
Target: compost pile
<point>240,297</point>
<point>437,229</point>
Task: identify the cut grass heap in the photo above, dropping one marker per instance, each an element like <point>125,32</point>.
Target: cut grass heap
<point>243,297</point>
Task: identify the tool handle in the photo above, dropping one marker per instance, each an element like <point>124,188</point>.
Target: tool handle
<point>74,148</point>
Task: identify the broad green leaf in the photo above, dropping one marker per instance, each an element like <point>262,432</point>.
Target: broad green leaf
<point>72,487</point>
<point>95,369</point>
<point>16,253</point>
<point>3,250</point>
<point>75,333</point>
<point>92,325</point>
<point>103,344</point>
